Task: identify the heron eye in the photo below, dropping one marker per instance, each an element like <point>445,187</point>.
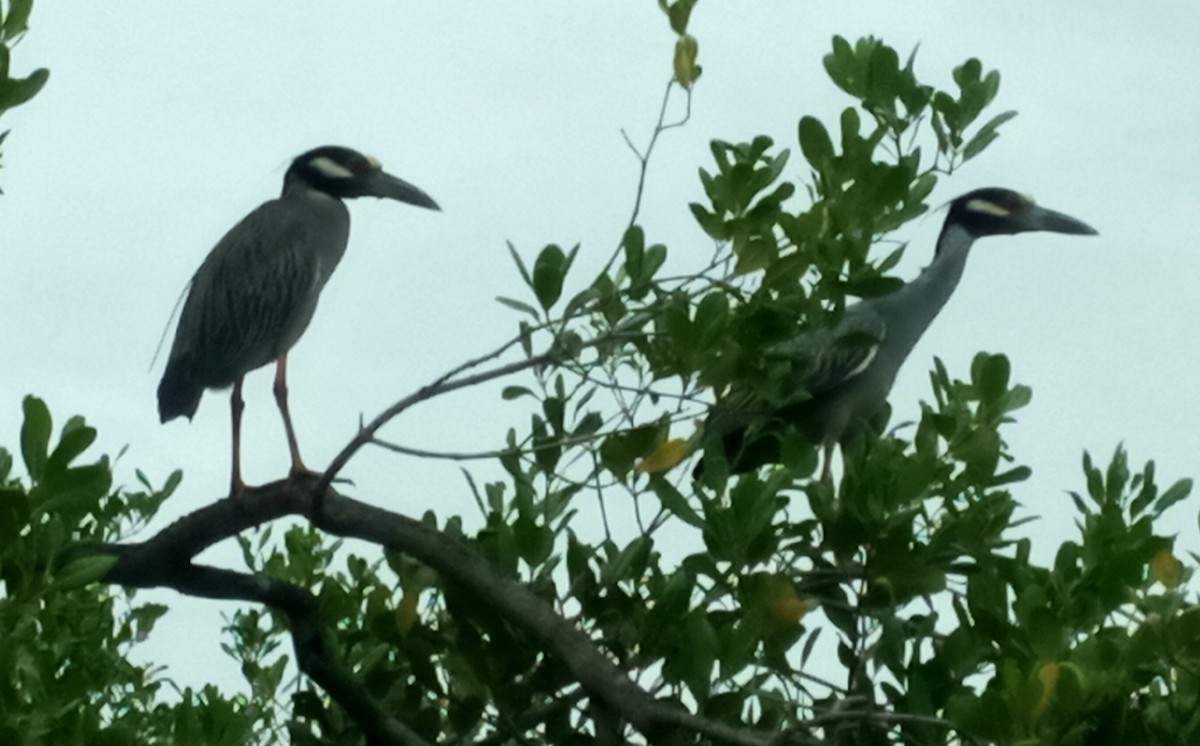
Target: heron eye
<point>364,166</point>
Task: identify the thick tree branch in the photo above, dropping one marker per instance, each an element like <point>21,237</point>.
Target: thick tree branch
<point>165,560</point>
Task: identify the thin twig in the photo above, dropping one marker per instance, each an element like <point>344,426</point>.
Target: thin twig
<point>440,386</point>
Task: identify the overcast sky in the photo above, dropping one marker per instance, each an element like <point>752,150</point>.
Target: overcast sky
<point>164,123</point>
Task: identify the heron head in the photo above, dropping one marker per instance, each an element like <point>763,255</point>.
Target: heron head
<point>995,211</point>
<point>345,173</point>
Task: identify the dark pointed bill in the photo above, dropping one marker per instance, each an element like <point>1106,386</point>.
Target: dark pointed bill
<point>389,187</point>
<point>1042,219</point>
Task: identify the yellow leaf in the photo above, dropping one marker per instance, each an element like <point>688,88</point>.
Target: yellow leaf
<point>686,70</point>
<point>789,610</point>
<point>786,607</point>
<point>666,456</point>
<point>1049,678</point>
<point>1166,569</point>
<point>406,612</point>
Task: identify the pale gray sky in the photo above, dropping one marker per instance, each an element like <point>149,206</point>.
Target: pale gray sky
<point>164,123</point>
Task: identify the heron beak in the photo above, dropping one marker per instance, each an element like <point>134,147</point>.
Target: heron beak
<point>386,186</point>
<point>1041,219</point>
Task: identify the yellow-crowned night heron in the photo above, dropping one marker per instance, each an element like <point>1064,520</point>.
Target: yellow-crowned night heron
<point>254,295</point>
<point>844,373</point>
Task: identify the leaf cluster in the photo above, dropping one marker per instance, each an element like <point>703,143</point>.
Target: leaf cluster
<point>14,22</point>
<point>66,673</point>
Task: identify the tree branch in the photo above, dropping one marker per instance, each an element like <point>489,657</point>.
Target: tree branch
<point>165,560</point>
<point>440,386</point>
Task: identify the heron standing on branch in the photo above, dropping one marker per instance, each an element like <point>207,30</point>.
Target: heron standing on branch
<point>256,292</point>
<point>844,373</point>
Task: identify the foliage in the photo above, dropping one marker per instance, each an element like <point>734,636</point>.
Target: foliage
<point>65,673</point>
<point>897,605</point>
<point>16,91</point>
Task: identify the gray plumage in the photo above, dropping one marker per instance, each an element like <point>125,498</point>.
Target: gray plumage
<point>257,290</point>
<point>843,374</point>
<point>254,295</point>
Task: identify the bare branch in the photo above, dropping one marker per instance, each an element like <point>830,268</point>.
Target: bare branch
<point>440,386</point>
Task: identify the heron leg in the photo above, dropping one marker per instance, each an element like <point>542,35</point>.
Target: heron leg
<point>281,392</point>
<point>236,405</point>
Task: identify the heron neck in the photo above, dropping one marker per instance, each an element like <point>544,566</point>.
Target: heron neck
<point>918,303</point>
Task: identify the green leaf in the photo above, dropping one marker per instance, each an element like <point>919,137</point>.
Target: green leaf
<point>815,143</point>
<point>700,642</point>
<point>710,222</point>
<point>656,255</point>
<point>634,244</point>
<point>1016,474</point>
<point>517,305</point>
<point>674,501</point>
<point>83,571</point>
<point>1017,397</point>
<point>1176,492</point>
<point>549,270</point>
<point>991,376</point>
<point>678,14</point>
<point>75,492</point>
<point>35,436</point>
<point>628,564</point>
<point>14,514</point>
<point>620,450</point>
<point>533,542</point>
<point>74,441</point>
<point>986,134</point>
<point>515,392</point>
<point>17,21</point>
<point>512,250</point>
<point>661,629</point>
<point>16,91</point>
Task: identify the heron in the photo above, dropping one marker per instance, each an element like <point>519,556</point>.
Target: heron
<point>843,373</point>
<point>256,292</point>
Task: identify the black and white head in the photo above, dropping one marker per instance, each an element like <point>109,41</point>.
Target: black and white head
<point>994,211</point>
<point>344,173</point>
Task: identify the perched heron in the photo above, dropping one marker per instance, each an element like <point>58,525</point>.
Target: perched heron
<point>844,373</point>
<point>257,290</point>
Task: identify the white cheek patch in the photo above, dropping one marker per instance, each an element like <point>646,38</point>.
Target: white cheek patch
<point>987,208</point>
<point>865,362</point>
<point>331,168</point>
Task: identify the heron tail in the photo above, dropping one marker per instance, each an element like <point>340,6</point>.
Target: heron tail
<point>178,394</point>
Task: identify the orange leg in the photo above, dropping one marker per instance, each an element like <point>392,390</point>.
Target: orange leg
<point>236,405</point>
<point>281,392</point>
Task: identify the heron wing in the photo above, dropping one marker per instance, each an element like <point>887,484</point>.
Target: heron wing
<point>829,357</point>
<point>823,359</point>
<point>252,297</point>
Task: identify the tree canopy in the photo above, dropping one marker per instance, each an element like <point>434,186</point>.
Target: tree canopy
<point>895,604</point>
